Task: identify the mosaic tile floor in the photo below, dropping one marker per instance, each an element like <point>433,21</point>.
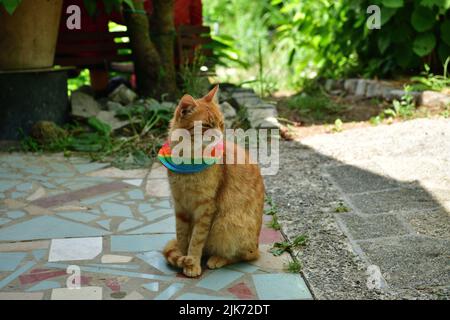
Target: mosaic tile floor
<point>112,224</point>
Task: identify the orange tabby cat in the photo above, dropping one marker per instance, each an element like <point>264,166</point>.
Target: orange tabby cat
<point>218,210</point>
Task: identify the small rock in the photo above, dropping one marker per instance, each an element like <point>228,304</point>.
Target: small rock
<point>83,105</point>
<point>109,118</point>
<point>373,90</point>
<point>118,295</point>
<point>246,98</point>
<point>397,94</point>
<point>329,84</point>
<point>123,95</point>
<point>350,85</point>
<point>263,118</point>
<point>227,110</point>
<point>393,94</point>
<point>114,106</point>
<point>361,88</point>
<point>434,99</point>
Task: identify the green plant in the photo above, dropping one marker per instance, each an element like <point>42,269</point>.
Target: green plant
<point>405,107</point>
<point>429,81</point>
<point>274,224</point>
<point>341,208</point>
<point>294,266</point>
<point>194,82</point>
<point>315,106</point>
<point>82,79</point>
<point>329,38</point>
<point>224,51</point>
<point>271,207</point>
<point>135,147</point>
<point>338,125</point>
<point>264,85</point>
<point>446,112</point>
<point>285,246</point>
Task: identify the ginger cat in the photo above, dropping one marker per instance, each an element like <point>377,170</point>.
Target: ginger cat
<point>218,210</point>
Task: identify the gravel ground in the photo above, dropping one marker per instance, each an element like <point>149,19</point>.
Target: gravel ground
<point>412,155</point>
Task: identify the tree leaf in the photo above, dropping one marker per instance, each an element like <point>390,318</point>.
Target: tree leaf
<point>424,44</point>
<point>393,3</point>
<point>422,19</point>
<point>11,5</point>
<point>403,56</point>
<point>444,4</point>
<point>91,6</point>
<point>99,126</point>
<point>445,32</point>
<point>443,52</point>
<point>384,40</point>
<point>386,14</point>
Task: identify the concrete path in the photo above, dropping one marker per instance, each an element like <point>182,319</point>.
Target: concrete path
<point>374,203</point>
<point>64,215</point>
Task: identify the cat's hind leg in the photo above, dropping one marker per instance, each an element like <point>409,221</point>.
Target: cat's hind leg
<point>173,254</point>
<point>216,262</point>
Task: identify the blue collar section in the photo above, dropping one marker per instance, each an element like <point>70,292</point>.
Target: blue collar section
<point>183,168</point>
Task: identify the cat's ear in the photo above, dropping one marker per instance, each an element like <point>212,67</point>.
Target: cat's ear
<point>186,105</point>
<point>213,95</point>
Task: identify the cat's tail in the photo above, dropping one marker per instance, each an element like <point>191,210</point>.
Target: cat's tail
<point>172,253</point>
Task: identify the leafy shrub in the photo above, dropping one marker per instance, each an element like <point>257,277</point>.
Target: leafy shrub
<point>412,31</point>
<point>330,38</point>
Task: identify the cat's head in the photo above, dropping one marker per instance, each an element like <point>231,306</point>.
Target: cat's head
<point>205,109</point>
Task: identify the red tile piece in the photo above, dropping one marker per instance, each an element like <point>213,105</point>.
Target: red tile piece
<point>35,276</point>
<point>60,199</point>
<point>268,236</point>
<point>241,291</point>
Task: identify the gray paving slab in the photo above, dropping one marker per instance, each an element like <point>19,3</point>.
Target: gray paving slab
<point>394,182</point>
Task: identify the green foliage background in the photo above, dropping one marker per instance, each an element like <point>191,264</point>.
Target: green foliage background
<point>303,39</point>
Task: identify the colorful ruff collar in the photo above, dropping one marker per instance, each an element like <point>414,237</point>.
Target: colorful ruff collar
<point>165,156</point>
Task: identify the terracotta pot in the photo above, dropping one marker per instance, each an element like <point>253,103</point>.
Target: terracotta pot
<point>28,36</point>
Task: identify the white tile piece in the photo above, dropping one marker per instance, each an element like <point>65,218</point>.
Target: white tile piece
<point>113,258</point>
<point>134,182</point>
<point>39,193</point>
<point>84,293</point>
<point>151,286</point>
<point>75,249</point>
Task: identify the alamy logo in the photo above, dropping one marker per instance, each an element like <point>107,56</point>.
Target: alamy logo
<point>74,280</point>
<point>251,146</point>
<point>73,22</point>
<point>374,20</point>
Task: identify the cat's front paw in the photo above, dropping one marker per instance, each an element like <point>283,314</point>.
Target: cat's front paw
<point>191,266</point>
<point>192,271</point>
<point>186,261</point>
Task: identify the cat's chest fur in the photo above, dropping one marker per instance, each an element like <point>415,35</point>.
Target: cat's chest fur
<point>190,189</point>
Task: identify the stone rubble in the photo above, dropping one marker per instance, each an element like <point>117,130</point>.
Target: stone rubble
<point>366,88</point>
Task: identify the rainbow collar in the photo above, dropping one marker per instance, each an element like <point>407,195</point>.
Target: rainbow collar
<point>165,156</point>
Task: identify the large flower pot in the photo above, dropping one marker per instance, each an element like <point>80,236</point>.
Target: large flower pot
<point>28,36</point>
